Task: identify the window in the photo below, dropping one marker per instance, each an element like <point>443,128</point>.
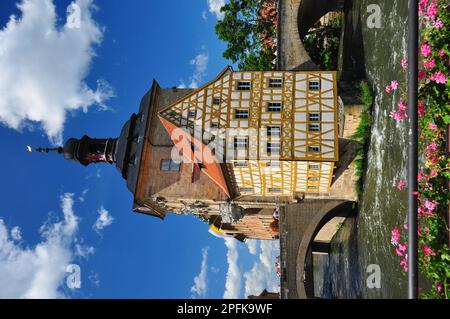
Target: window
<point>313,178</point>
<point>274,107</point>
<point>314,167</point>
<point>241,114</point>
<point>169,165</point>
<point>275,83</point>
<point>214,125</point>
<point>244,85</point>
<point>191,114</point>
<point>274,190</point>
<point>246,189</point>
<point>273,131</point>
<point>314,117</point>
<point>314,149</point>
<point>240,164</point>
<point>314,127</point>
<point>240,142</point>
<point>273,148</point>
<point>273,164</point>
<point>314,85</point>
<point>216,100</point>
<point>312,187</point>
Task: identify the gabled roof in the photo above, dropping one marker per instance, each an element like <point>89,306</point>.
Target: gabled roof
<point>199,153</point>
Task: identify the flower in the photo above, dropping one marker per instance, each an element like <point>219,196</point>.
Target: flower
<point>395,236</point>
<point>429,64</point>
<point>398,115</point>
<point>438,286</point>
<point>398,252</point>
<point>439,77</point>
<point>430,205</point>
<point>425,49</point>
<point>438,23</point>
<point>431,11</point>
<point>401,184</point>
<point>402,105</point>
<point>388,89</point>
<point>402,247</point>
<point>404,63</point>
<point>432,126</point>
<point>433,172</point>
<point>441,52</point>
<point>422,75</point>
<point>394,85</point>
<point>431,148</point>
<point>421,108</point>
<point>404,263</point>
<point>428,251</point>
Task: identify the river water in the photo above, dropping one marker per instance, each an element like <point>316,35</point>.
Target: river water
<point>365,240</point>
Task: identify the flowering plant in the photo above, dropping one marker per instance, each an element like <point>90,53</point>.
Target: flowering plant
<point>434,117</point>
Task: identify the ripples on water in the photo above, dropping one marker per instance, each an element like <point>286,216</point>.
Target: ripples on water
<point>382,206</point>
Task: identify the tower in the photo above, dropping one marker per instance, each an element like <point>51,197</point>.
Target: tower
<point>229,152</point>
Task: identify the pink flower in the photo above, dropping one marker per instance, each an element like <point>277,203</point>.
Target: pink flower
<point>438,23</point>
<point>422,75</point>
<point>405,226</point>
<point>428,251</point>
<point>433,172</point>
<point>431,148</point>
<point>438,286</point>
<point>441,52</point>
<point>404,263</point>
<point>388,89</point>
<point>402,247</point>
<point>439,77</point>
<point>401,185</point>
<point>398,252</point>
<point>395,236</point>
<point>402,105</point>
<point>398,115</point>
<point>425,49</point>
<point>429,64</point>
<point>430,205</point>
<point>421,108</point>
<point>432,126</point>
<point>404,63</point>
<point>431,11</point>
<point>394,85</point>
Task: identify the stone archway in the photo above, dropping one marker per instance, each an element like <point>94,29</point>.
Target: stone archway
<point>305,285</point>
<point>295,18</point>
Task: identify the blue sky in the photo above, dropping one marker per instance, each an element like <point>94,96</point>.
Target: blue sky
<point>58,82</point>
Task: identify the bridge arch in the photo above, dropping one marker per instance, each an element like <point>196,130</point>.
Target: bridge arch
<point>295,18</point>
<point>305,288</point>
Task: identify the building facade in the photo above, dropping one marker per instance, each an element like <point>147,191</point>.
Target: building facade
<point>229,152</point>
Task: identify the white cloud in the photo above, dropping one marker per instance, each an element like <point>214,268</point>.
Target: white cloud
<point>200,62</point>
<point>16,233</point>
<point>39,271</point>
<point>262,275</point>
<point>200,281</point>
<point>214,7</point>
<point>204,15</point>
<point>233,279</point>
<point>82,197</point>
<point>104,219</point>
<point>94,279</point>
<point>44,67</point>
<point>252,245</point>
<point>84,251</point>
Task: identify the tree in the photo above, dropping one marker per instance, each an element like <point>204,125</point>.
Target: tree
<point>243,28</point>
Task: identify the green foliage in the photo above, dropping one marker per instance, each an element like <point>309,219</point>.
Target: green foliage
<point>242,28</point>
<point>322,44</point>
<point>362,134</point>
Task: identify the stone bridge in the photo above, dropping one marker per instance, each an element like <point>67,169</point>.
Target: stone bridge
<point>299,225</point>
<point>295,18</point>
